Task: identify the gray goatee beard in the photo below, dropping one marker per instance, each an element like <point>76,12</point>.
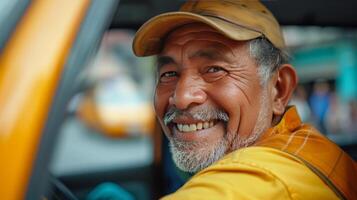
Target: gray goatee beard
<point>193,156</point>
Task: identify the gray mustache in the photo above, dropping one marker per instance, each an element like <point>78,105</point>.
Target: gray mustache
<point>203,114</point>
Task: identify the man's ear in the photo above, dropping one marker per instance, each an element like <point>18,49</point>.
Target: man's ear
<point>284,83</point>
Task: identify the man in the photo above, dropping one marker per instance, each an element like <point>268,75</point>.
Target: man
<point>223,86</point>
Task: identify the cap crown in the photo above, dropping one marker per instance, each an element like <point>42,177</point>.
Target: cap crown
<point>251,14</point>
<point>239,20</point>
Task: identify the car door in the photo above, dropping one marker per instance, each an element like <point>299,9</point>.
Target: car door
<point>44,46</point>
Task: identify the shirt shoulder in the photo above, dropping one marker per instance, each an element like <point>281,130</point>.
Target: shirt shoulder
<point>255,173</point>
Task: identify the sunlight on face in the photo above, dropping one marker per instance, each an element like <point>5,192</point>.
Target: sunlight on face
<point>208,99</point>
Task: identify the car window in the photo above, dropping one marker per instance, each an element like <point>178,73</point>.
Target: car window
<point>111,118</point>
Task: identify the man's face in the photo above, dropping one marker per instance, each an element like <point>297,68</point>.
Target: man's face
<point>208,98</point>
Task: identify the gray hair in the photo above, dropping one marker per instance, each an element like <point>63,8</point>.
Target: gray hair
<point>267,56</point>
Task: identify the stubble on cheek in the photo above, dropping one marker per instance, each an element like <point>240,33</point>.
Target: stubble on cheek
<point>262,124</point>
<point>193,156</point>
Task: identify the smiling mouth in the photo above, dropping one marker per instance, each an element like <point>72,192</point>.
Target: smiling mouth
<point>195,126</point>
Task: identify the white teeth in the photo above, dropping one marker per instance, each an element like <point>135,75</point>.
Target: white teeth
<point>199,126</point>
<point>185,128</point>
<point>206,125</point>
<point>194,127</point>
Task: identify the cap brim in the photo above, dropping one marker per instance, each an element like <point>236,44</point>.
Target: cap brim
<point>149,38</point>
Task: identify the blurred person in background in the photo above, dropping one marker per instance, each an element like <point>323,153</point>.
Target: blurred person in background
<point>320,101</point>
<point>224,82</point>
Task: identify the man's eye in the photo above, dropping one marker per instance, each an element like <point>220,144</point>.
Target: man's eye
<point>214,73</point>
<point>168,76</point>
<point>214,69</point>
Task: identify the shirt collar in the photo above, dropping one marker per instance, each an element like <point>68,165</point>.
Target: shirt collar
<point>289,122</point>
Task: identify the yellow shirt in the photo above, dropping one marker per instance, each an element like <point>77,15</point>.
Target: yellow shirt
<point>277,167</point>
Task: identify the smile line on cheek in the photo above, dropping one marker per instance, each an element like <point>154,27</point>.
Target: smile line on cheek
<point>243,85</point>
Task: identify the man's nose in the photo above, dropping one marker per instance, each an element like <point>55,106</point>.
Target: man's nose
<point>188,92</point>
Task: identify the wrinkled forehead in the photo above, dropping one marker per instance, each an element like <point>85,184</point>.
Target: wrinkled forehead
<point>199,32</point>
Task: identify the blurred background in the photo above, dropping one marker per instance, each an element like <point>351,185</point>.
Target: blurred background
<point>325,59</point>
<point>108,141</point>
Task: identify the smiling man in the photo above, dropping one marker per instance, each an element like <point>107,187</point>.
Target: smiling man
<point>205,96</point>
<point>223,86</point>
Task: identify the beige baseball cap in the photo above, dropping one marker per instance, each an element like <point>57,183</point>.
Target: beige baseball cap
<point>237,19</point>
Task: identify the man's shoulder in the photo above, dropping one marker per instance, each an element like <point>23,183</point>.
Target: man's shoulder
<point>266,158</point>
<point>236,176</point>
<point>255,173</point>
<point>269,166</point>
